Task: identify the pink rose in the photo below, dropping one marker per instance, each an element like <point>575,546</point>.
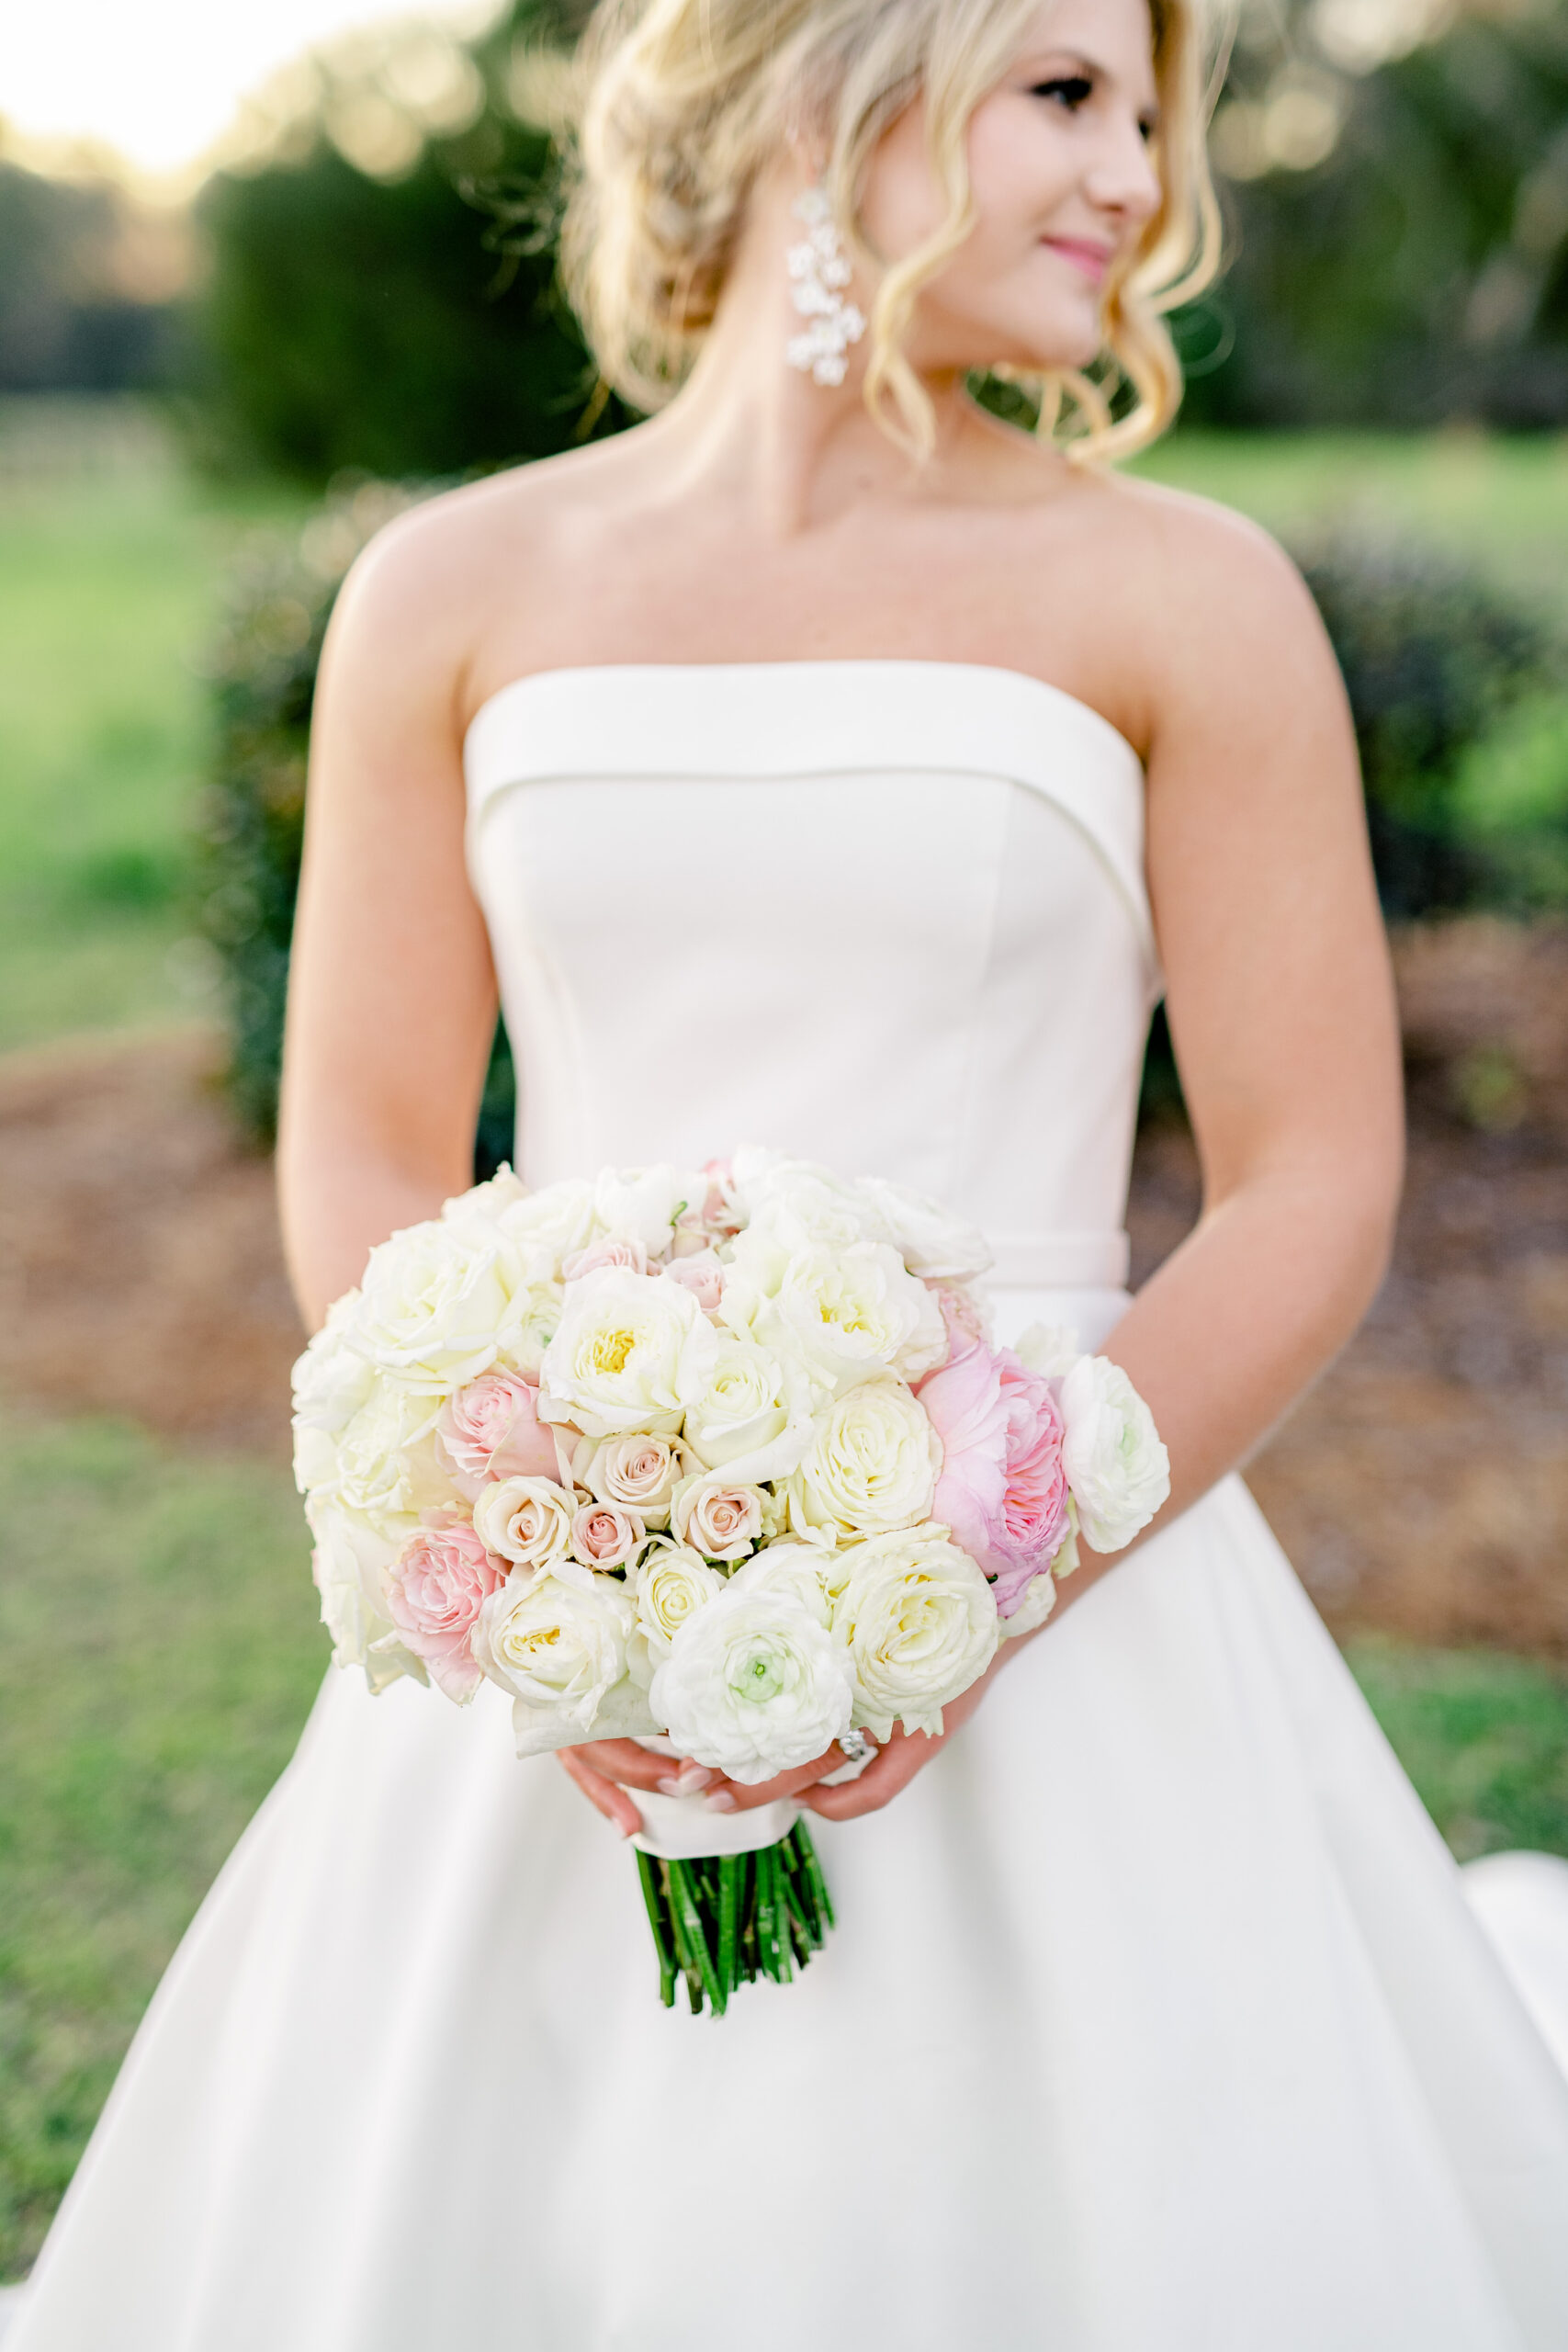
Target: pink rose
<point>435,1588</point>
<point>1002,1489</point>
<point>721,1523</point>
<point>491,1429</point>
<point>611,1252</point>
<point>603,1535</point>
<point>962,1312</point>
<point>701,1273</point>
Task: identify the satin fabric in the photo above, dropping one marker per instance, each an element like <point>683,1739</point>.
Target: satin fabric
<point>1156,2021</point>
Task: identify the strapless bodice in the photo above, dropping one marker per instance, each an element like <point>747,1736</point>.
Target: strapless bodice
<point>890,915</point>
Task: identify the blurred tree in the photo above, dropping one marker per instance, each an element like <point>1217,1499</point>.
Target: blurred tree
<point>365,307</point>
<point>85,286</point>
<point>1396,175</point>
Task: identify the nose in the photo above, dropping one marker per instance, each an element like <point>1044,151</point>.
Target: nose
<point>1121,179</point>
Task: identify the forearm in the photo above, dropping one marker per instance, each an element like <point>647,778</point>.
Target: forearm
<point>1241,1319</point>
<point>335,1203</point>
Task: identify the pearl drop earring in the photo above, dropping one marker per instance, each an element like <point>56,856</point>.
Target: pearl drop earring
<point>820,270</point>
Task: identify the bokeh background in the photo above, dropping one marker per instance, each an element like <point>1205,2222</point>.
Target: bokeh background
<point>254,295</point>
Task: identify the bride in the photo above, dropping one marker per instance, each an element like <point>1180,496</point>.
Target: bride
<point>830,762</point>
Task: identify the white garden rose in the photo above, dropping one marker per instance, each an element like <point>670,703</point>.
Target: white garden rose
<point>795,1204</point>
<point>1117,1468</point>
<point>350,1560</point>
<point>807,1572</point>
<point>642,1204</point>
<point>917,1623</point>
<point>482,1204</point>
<point>753,1683</point>
<point>545,1227</point>
<point>438,1304</point>
<point>637,1470</point>
<point>872,1465</point>
<point>387,1466</point>
<point>528,1521</point>
<point>560,1650</point>
<point>843,1315</point>
<point>627,1349</point>
<point>1049,1349</point>
<point>748,1413</point>
<point>672,1583</point>
<point>932,1242</point>
<point>332,1382</point>
<point>717,1517</point>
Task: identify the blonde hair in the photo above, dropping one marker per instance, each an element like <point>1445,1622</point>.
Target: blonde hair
<point>683,103</point>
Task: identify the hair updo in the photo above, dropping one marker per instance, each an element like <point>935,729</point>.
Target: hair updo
<point>681,103</point>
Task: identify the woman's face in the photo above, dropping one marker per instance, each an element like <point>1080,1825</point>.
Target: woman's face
<point>1063,183</point>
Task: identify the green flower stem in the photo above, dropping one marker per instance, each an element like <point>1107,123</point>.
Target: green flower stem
<point>658,1919</point>
<point>725,1920</point>
<point>685,1885</point>
<point>801,1837</point>
<point>729,1873</point>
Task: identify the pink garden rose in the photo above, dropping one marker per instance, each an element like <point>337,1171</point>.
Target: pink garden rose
<point>701,1271</point>
<point>604,1535</point>
<point>1002,1489</point>
<point>434,1589</point>
<point>611,1252</point>
<point>491,1429</point>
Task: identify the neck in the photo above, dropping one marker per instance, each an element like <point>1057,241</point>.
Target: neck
<point>796,453</point>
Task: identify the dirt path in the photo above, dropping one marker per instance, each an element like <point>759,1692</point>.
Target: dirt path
<point>1422,1488</point>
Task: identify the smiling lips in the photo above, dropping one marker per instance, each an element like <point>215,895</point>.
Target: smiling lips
<point>1093,260</point>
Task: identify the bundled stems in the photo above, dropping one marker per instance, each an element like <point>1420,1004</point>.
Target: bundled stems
<point>728,1918</point>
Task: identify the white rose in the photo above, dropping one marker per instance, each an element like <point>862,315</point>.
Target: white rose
<point>918,1625</point>
<point>872,1465</point>
<point>843,1314</point>
<point>483,1203</point>
<point>746,1412</point>
<point>636,1471</point>
<point>932,1242</point>
<point>672,1582</point>
<point>560,1650</point>
<point>716,1517</point>
<point>332,1382</point>
<point>439,1303</point>
<point>1118,1470</point>
<point>387,1466</point>
<point>527,1521</point>
<point>795,1204</point>
<point>754,1684</point>
<point>642,1204</point>
<point>625,1350</point>
<point>545,1227</point>
<point>805,1571</point>
<point>348,1565</point>
<point>1049,1349</point>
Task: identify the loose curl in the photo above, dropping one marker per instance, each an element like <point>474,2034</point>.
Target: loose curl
<point>683,103</point>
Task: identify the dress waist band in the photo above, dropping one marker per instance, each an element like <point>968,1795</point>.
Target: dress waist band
<point>1057,1262</point>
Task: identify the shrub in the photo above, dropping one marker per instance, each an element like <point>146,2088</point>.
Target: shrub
<point>1454,686</point>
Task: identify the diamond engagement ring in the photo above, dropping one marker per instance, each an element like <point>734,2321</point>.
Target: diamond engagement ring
<point>856,1747</point>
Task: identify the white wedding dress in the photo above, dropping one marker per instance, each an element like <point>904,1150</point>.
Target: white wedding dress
<point>1156,2019</point>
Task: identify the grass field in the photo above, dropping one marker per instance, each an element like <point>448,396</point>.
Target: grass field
<point>158,1643</point>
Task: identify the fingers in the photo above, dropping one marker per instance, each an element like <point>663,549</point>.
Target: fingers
<point>604,1795</point>
<point>638,1768</point>
<point>748,1795</point>
<point>905,1754</point>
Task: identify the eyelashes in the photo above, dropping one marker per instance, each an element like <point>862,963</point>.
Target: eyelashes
<point>1071,91</point>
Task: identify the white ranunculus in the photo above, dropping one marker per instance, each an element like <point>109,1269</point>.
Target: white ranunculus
<point>872,1465</point>
<point>932,1242</point>
<point>843,1315</point>
<point>1049,1349</point>
<point>717,1517</point>
<point>387,1467</point>
<point>805,1571</point>
<point>545,1227</point>
<point>642,1204</point>
<point>672,1583</point>
<point>753,1683</point>
<point>747,1412</point>
<point>560,1650</point>
<point>528,1522</point>
<point>349,1563</point>
<point>627,1347</point>
<point>1118,1470</point>
<point>438,1304</point>
<point>636,1471</point>
<point>917,1623</point>
<point>536,1312</point>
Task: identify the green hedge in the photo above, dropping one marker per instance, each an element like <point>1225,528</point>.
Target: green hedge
<point>1457,689</point>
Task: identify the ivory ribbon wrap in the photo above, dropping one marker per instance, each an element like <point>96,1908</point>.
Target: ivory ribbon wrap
<point>681,1829</point>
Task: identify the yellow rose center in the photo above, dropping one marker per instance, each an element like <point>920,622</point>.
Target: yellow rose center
<point>611,1349</point>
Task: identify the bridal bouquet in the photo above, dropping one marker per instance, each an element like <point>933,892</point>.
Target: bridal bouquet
<point>723,1461</point>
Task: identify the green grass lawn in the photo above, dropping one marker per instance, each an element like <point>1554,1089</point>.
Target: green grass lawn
<point>107,591</point>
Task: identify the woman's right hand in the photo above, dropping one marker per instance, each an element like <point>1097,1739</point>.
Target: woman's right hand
<point>604,1770</point>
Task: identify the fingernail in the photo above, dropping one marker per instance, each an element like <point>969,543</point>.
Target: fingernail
<point>720,1802</point>
<point>686,1784</point>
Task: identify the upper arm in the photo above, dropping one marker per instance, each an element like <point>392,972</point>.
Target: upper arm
<point>391,992</point>
<point>1279,991</point>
